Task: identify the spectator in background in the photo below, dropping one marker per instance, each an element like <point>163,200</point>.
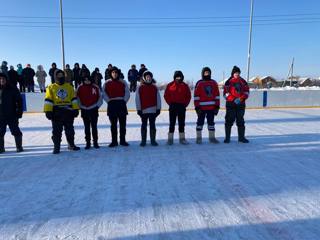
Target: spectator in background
<point>133,78</point>
<point>4,68</point>
<point>28,75</point>
<point>22,85</point>
<point>13,77</point>
<point>52,72</point>
<point>69,74</point>
<point>141,71</point>
<point>97,77</point>
<point>41,78</point>
<point>76,75</point>
<point>107,72</point>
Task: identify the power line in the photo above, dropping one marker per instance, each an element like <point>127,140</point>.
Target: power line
<point>160,18</point>
<point>159,26</point>
<point>159,23</point>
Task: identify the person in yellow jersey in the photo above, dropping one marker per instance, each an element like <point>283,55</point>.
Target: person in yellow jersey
<point>61,107</point>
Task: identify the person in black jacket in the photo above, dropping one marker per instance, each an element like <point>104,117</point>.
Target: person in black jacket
<point>96,76</point>
<point>107,74</point>
<point>133,77</point>
<point>13,77</point>
<point>28,75</point>
<point>52,72</point>
<point>76,75</point>
<point>141,71</point>
<point>10,111</point>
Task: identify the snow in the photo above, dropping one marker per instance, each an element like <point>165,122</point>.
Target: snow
<point>268,189</point>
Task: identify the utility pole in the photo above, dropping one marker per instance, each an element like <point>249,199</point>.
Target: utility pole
<point>62,37</point>
<point>292,65</point>
<point>250,41</point>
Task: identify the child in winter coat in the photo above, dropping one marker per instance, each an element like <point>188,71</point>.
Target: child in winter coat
<point>236,92</point>
<point>148,103</point>
<point>90,99</point>
<point>116,94</point>
<point>207,104</point>
<point>178,96</point>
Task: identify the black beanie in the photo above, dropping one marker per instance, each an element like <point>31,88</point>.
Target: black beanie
<point>235,69</point>
<point>204,70</point>
<point>178,74</point>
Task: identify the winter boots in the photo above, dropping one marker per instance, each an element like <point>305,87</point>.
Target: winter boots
<point>170,139</point>
<point>182,139</point>
<point>241,135</point>
<point>18,140</point>
<point>153,137</point>
<point>228,134</point>
<point>143,137</point>
<point>2,145</point>
<point>212,137</point>
<point>199,137</point>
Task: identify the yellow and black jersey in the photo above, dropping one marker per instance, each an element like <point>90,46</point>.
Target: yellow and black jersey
<point>60,96</point>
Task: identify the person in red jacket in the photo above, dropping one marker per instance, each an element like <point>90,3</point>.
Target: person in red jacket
<point>90,99</point>
<point>116,94</point>
<point>178,96</point>
<point>236,92</point>
<point>148,103</point>
<point>207,104</point>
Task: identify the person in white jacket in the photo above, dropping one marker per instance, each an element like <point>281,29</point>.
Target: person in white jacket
<point>41,78</point>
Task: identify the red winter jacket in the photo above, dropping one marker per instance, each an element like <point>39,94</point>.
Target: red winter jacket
<point>148,98</point>
<point>177,93</point>
<point>89,96</point>
<point>236,88</point>
<point>207,95</point>
<point>115,90</point>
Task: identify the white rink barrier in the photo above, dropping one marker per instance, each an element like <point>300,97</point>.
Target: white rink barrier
<point>258,99</point>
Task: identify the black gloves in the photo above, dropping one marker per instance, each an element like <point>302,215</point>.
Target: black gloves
<point>198,110</point>
<point>216,111</point>
<point>75,113</point>
<point>158,112</point>
<point>49,115</point>
<point>139,113</point>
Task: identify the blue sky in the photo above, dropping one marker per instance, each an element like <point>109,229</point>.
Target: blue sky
<point>164,49</point>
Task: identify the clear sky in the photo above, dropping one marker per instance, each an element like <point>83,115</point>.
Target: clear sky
<point>165,35</point>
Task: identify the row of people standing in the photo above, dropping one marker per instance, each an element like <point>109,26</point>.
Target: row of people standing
<point>25,76</point>
<point>62,105</point>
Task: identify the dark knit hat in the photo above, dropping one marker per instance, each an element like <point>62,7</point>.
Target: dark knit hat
<point>178,74</point>
<point>235,69</point>
<point>204,70</point>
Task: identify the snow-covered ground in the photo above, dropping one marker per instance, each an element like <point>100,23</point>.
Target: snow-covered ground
<point>268,189</point>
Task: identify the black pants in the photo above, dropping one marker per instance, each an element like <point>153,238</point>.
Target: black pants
<point>151,117</point>
<point>177,111</point>
<point>235,113</point>
<point>210,120</point>
<point>13,126</point>
<point>90,120</point>
<point>133,86</point>
<point>114,119</point>
<point>57,128</point>
<point>22,86</point>
<point>30,87</point>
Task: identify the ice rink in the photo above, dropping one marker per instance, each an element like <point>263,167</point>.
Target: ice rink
<point>266,190</point>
